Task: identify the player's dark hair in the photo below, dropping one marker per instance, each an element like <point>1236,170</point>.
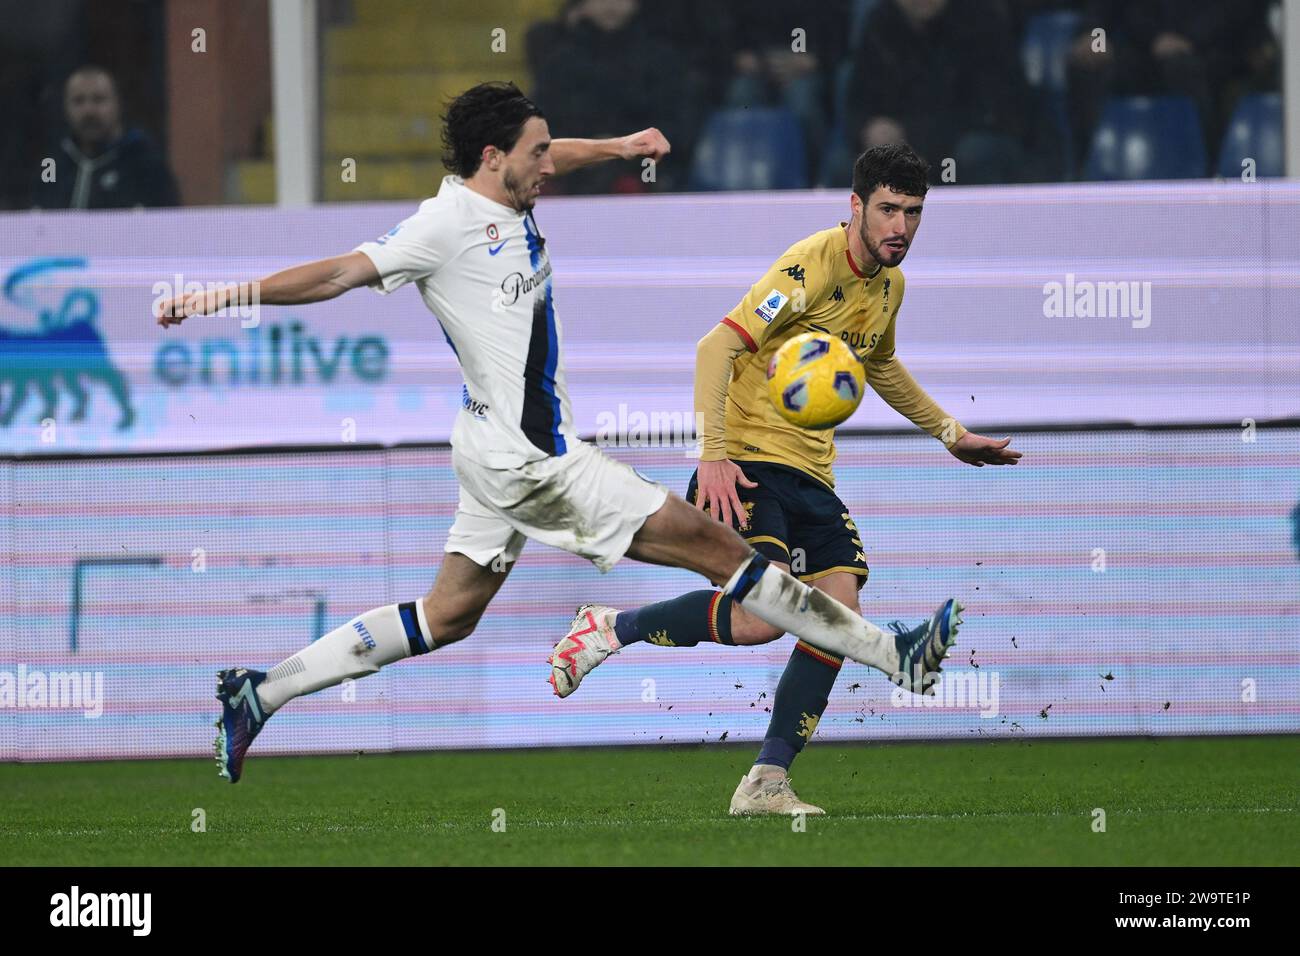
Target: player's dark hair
<point>490,114</point>
<point>894,166</point>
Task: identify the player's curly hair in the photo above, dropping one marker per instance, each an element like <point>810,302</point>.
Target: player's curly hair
<point>894,166</point>
<point>490,114</point>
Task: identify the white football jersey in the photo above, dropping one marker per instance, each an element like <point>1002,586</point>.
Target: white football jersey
<point>483,271</point>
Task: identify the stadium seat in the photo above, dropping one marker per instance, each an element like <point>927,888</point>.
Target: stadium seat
<point>251,181</point>
<point>837,160</point>
<point>421,91</point>
<point>1147,137</point>
<point>1046,48</point>
<point>453,46</point>
<point>387,71</point>
<point>859,12</point>
<point>1044,53</point>
<point>1255,131</point>
<point>838,156</point>
<point>750,149</point>
<point>385,135</point>
<point>404,13</point>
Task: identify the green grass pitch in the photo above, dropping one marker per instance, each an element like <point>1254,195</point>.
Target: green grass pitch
<point>1202,801</point>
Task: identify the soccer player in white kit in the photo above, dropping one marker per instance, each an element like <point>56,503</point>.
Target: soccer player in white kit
<point>480,262</point>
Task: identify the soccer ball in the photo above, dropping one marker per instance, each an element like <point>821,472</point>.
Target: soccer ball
<point>815,380</point>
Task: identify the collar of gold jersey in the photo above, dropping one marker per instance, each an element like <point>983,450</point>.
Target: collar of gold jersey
<point>848,256</point>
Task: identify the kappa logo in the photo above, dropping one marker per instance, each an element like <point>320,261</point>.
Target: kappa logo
<point>837,295</point>
<point>795,272</point>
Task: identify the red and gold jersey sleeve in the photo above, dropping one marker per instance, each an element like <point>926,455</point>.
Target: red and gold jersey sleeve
<point>793,283</point>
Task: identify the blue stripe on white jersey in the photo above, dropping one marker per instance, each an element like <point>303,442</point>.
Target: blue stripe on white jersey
<point>540,418</point>
<point>482,268</point>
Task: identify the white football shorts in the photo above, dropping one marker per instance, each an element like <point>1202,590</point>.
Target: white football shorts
<point>583,502</point>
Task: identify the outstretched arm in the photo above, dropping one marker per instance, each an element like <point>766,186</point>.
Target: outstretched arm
<point>571,154</point>
<point>893,383</point>
<point>297,285</point>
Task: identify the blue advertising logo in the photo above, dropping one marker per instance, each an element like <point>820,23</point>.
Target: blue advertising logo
<point>66,350</point>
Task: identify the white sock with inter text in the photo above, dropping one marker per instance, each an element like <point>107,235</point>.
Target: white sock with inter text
<point>355,649</point>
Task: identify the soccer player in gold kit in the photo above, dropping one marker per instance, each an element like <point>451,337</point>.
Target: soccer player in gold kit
<point>771,479</point>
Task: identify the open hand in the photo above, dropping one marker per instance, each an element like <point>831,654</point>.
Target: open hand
<point>715,490</point>
<point>980,451</point>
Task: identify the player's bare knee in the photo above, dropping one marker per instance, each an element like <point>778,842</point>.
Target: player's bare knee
<point>450,631</point>
<point>429,608</point>
<point>722,552</point>
<point>447,626</point>
<point>748,630</point>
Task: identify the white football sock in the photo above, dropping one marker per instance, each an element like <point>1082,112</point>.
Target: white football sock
<point>783,601</point>
<point>765,771</point>
<point>355,649</point>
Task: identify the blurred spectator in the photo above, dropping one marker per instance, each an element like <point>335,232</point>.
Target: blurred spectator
<point>1206,49</point>
<point>773,66</point>
<point>945,78</point>
<point>599,72</point>
<point>100,164</point>
<point>699,40</point>
<point>35,50</point>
